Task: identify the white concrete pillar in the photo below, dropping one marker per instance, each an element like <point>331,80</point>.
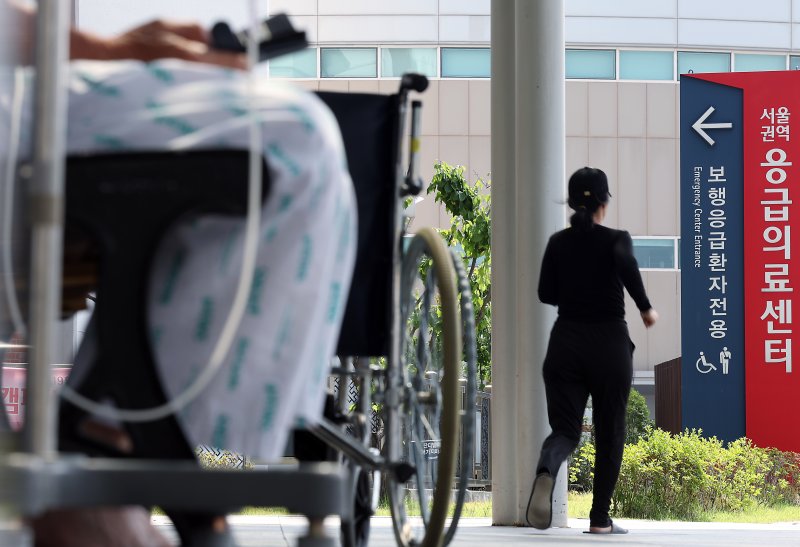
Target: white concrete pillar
<point>504,320</point>
<point>526,210</point>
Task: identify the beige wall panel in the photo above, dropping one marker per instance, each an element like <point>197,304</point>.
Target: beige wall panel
<point>427,213</point>
<point>661,112</point>
<point>662,187</point>
<point>334,85</point>
<point>480,158</point>
<point>602,109</point>
<point>663,339</point>
<point>311,85</point>
<point>632,190</point>
<point>388,86</point>
<point>677,112</point>
<point>453,107</point>
<point>480,120</point>
<point>577,109</point>
<point>632,109</point>
<point>603,155</point>
<point>454,150</point>
<point>364,86</point>
<point>638,333</point>
<point>430,108</point>
<point>428,156</point>
<point>577,152</point>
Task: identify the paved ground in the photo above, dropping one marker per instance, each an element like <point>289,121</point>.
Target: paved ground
<point>478,532</point>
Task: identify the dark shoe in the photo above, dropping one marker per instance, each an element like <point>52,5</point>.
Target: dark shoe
<point>613,530</point>
<point>540,505</point>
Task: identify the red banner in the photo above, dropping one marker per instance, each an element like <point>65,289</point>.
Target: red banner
<point>15,394</point>
<point>771,104</point>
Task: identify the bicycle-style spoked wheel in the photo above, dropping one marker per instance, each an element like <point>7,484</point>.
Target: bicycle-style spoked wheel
<point>466,455</point>
<point>428,410</point>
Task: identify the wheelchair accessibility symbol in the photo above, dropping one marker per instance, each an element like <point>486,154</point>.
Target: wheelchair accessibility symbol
<point>704,366</point>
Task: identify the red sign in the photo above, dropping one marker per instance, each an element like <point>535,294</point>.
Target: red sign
<point>14,391</point>
<point>771,105</point>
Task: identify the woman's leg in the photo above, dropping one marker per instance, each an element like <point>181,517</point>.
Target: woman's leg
<point>610,388</point>
<point>567,393</point>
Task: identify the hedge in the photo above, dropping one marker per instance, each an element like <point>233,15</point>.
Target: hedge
<point>666,476</point>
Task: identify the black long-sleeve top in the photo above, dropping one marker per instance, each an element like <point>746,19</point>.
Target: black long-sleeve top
<point>583,273</point>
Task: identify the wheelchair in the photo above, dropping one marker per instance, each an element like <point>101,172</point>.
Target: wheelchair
<point>389,349</point>
<point>407,337</point>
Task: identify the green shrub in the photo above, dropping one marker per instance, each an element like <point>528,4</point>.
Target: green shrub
<point>683,476</point>
<point>687,475</point>
<point>581,467</point>
<point>637,418</point>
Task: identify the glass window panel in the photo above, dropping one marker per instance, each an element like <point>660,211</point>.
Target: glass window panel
<point>794,62</point>
<point>397,61</point>
<point>593,64</point>
<point>654,253</point>
<point>348,63</point>
<point>302,64</point>
<point>466,63</point>
<point>746,62</point>
<point>697,62</point>
<point>646,65</point>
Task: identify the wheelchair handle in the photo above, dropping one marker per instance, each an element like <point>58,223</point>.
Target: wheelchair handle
<point>413,82</point>
<point>413,183</point>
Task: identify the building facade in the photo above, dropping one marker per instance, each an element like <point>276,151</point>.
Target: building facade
<point>623,61</point>
<point>623,64</point>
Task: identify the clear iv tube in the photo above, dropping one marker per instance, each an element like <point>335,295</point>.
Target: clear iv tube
<point>225,340</point>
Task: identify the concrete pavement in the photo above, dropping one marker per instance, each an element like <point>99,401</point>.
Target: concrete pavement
<point>478,532</point>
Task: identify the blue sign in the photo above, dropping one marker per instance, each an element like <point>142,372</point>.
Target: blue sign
<point>712,258</point>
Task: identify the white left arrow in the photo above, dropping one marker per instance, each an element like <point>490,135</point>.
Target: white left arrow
<point>700,127</point>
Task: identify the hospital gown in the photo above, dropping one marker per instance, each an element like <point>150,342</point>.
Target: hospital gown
<point>275,372</point>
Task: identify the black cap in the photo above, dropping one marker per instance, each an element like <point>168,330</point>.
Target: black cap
<point>588,185</point>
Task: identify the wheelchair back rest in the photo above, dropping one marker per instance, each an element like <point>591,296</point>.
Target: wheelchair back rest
<point>369,128</point>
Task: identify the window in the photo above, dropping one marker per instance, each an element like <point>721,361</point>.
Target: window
<point>466,62</point>
<point>794,62</point>
<point>593,64</point>
<point>657,253</point>
<point>695,62</point>
<point>397,61</point>
<point>302,64</point>
<point>646,65</point>
<point>348,63</point>
<point>746,62</point>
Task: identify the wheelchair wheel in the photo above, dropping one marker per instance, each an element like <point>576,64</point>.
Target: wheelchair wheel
<point>466,455</point>
<point>427,413</point>
<point>355,530</point>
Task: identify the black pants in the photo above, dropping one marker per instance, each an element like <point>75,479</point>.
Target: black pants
<point>588,359</point>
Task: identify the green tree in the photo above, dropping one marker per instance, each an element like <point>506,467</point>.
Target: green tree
<point>637,420</point>
<point>469,206</point>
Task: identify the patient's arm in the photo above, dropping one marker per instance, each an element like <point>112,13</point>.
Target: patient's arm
<point>154,40</point>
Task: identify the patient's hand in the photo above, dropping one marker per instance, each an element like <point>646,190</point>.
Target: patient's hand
<point>154,40</point>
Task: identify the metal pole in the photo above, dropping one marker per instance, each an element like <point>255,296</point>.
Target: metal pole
<point>540,161</point>
<point>504,413</point>
<point>47,212</point>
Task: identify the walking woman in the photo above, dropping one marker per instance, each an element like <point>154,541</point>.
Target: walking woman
<point>584,270</point>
